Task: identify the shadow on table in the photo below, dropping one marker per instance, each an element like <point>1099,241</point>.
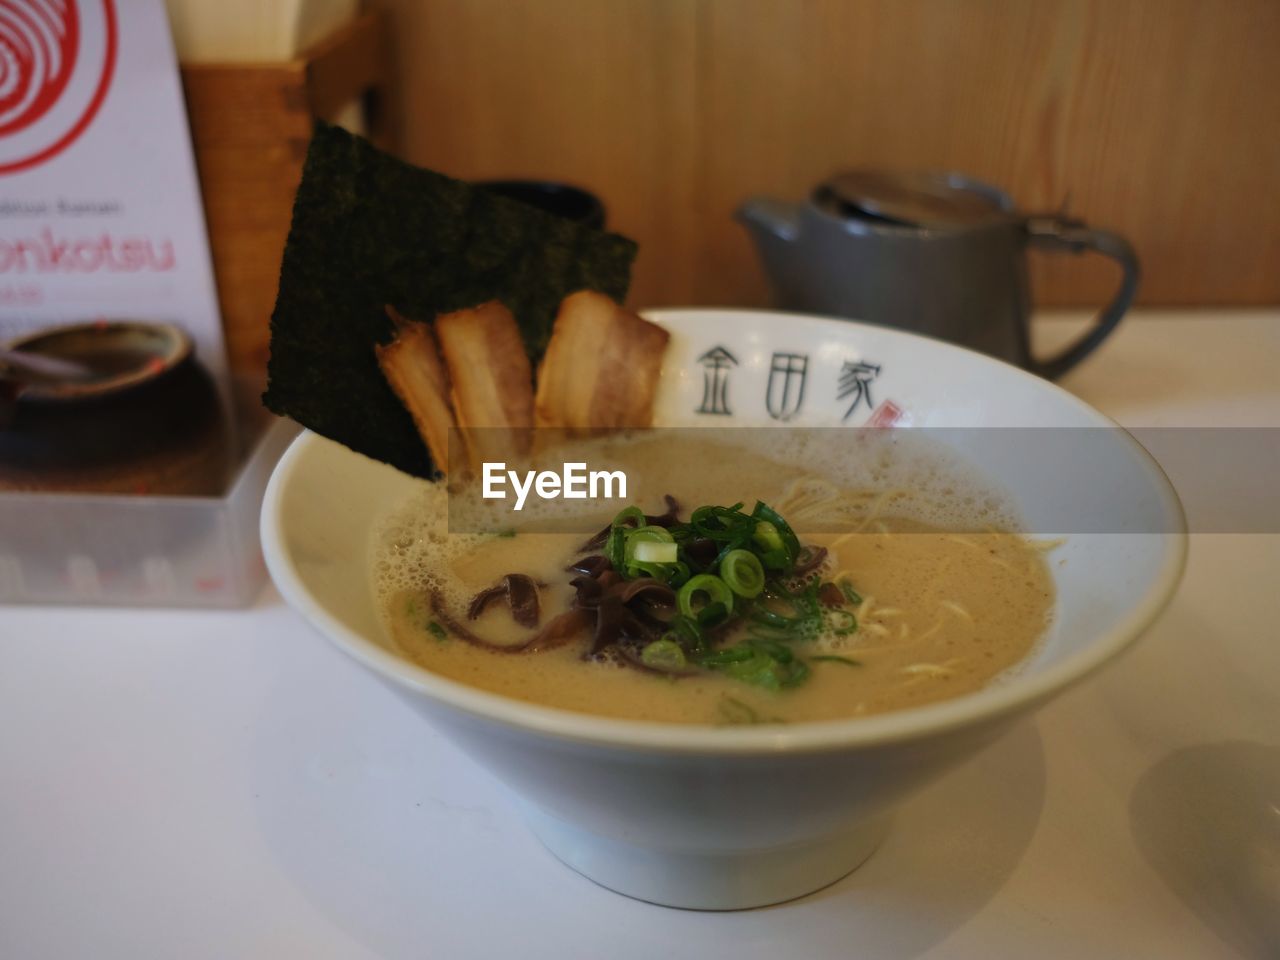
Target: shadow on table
<point>949,851</point>
<point>411,851</point>
<point>1207,819</point>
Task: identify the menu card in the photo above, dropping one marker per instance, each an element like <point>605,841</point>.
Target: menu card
<point>100,212</point>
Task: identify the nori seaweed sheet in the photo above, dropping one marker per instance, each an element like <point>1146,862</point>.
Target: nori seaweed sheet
<point>369,230</point>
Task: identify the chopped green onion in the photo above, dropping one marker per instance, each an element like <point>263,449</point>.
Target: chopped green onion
<point>712,588</point>
<point>629,517</point>
<point>644,535</point>
<point>649,551</point>
<point>771,618</point>
<point>805,611</point>
<point>633,565</point>
<point>677,573</point>
<point>790,542</point>
<point>673,575</point>
<point>832,658</point>
<point>766,534</point>
<point>650,534</point>
<point>742,571</point>
<point>714,522</point>
<point>755,666</point>
<point>734,654</point>
<point>850,594</point>
<point>774,648</point>
<point>635,570</point>
<point>712,614</point>
<point>436,630</point>
<point>743,588</point>
<point>664,655</point>
<point>773,550</point>
<point>626,520</point>
<point>686,632</point>
<point>616,547</point>
<point>734,711</point>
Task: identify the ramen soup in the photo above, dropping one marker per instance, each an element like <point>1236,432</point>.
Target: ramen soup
<point>775,585</point>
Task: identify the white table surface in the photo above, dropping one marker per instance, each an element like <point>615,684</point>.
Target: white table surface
<point>225,785</point>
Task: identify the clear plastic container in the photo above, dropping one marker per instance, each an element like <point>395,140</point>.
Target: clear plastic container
<point>145,551</point>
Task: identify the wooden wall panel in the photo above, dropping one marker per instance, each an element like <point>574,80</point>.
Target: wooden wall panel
<point>1158,118</point>
<point>592,93</point>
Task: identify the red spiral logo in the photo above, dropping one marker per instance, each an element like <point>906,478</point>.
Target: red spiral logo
<point>56,62</point>
<point>38,42</point>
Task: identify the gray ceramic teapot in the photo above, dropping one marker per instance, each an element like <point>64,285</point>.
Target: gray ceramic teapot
<point>936,253</point>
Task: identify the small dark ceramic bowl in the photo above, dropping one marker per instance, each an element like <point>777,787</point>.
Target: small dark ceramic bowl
<point>561,199</point>
<point>145,418</point>
<point>119,355</point>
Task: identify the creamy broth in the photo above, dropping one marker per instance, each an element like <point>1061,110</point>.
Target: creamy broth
<point>941,612</point>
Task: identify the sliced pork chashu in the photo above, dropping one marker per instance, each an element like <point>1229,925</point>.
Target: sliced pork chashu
<point>490,381</point>
<point>601,369</point>
<point>412,365</point>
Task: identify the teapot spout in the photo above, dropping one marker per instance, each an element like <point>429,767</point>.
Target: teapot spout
<point>770,219</point>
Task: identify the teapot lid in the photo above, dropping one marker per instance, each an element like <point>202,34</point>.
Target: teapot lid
<point>912,199</point>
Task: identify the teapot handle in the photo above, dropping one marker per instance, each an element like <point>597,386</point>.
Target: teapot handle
<point>1072,236</point>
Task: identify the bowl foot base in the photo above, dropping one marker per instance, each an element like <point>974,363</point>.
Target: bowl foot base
<point>708,881</point>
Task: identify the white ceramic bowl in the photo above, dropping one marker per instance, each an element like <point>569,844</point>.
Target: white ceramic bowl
<point>724,818</point>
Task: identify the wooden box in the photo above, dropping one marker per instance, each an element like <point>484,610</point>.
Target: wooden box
<point>250,124</point>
